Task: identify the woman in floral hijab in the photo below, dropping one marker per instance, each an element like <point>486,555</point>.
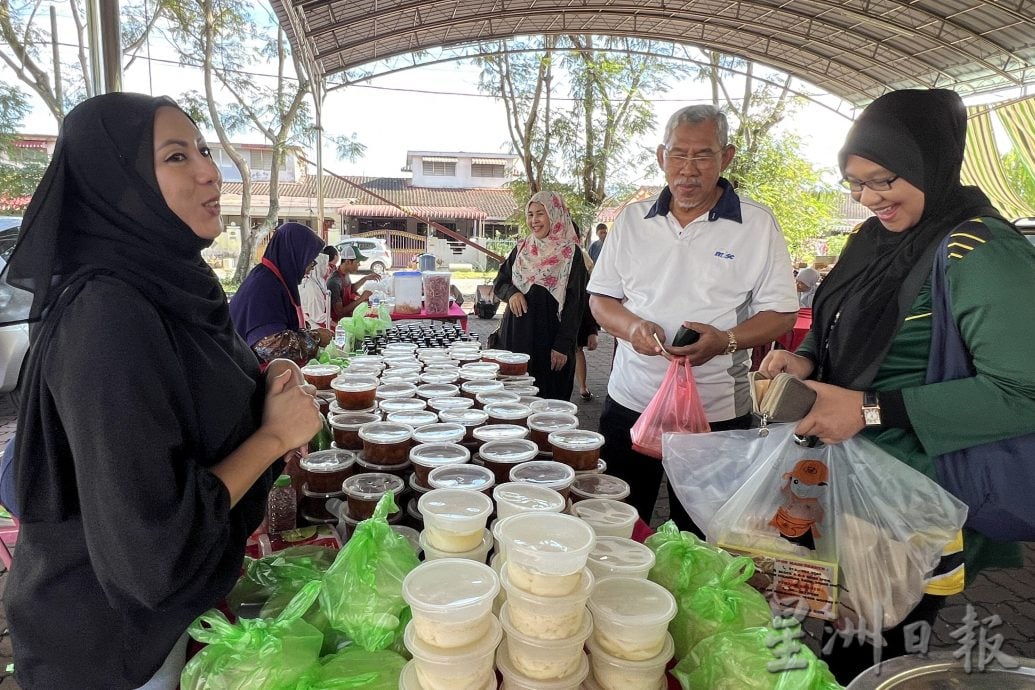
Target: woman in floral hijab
<point>543,282</point>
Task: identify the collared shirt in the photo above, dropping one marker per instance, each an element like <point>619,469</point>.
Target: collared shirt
<point>721,268</point>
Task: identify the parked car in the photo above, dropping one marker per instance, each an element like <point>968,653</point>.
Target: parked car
<point>1026,226</point>
<point>378,255</point>
<point>14,304</point>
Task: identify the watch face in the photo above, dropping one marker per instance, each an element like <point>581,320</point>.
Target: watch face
<point>871,415</point>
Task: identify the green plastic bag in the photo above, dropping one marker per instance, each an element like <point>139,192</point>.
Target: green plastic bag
<point>684,562</point>
<point>355,668</point>
<point>362,592</point>
<point>764,658</point>
<point>725,604</point>
<point>281,572</point>
<point>254,654</point>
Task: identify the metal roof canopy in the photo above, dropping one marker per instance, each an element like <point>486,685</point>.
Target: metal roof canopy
<point>854,49</point>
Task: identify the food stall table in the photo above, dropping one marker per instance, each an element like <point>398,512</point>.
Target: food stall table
<point>455,314</point>
<point>792,339</point>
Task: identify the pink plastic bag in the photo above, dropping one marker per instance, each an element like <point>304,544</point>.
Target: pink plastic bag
<point>676,407</point>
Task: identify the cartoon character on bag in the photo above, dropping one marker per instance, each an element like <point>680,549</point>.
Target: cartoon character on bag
<point>802,510</point>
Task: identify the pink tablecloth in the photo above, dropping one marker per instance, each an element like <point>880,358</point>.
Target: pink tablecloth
<point>792,339</point>
<point>455,314</point>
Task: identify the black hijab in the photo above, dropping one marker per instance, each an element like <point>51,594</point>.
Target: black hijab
<point>919,136</point>
<point>99,212</point>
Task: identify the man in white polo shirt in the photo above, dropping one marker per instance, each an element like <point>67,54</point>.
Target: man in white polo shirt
<point>697,256</point>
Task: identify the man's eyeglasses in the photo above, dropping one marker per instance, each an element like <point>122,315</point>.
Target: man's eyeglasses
<point>701,160</point>
<point>876,185</point>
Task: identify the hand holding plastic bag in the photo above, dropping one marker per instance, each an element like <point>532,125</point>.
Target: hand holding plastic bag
<point>675,408</point>
<point>254,654</point>
<point>362,592</point>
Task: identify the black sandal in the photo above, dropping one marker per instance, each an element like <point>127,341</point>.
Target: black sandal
<point>587,396</point>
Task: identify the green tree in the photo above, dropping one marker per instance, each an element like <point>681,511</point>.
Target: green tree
<point>1021,179</point>
<point>20,169</point>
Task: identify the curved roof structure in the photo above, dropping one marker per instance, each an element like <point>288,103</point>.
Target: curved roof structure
<point>854,49</point>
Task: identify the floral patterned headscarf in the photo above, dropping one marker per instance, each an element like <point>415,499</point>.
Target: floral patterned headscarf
<point>547,262</point>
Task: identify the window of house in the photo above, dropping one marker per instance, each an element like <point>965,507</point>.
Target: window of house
<point>487,170</point>
<point>263,160</point>
<point>439,168</point>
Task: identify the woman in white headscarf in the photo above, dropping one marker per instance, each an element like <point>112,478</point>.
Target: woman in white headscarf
<point>316,299</point>
<point>806,282</point>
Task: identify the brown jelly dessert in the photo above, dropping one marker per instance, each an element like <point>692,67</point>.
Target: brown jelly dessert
<point>401,470</point>
<point>508,412</point>
<point>598,486</point>
<point>501,456</point>
<point>577,448</point>
<point>366,489</point>
<point>553,475</point>
<point>386,443</point>
<point>345,428</point>
<point>320,375</point>
<point>354,392</point>
<point>428,456</point>
<point>470,419</point>
<point>325,470</point>
<point>513,364</point>
<point>314,505</point>
<point>542,424</point>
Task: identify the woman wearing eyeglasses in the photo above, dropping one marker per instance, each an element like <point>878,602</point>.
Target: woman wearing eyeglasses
<point>869,347</point>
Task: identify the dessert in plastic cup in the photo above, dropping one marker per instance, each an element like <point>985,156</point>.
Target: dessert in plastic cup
<point>403,470</point>
<point>576,447</point>
<point>320,375</point>
<point>402,405</point>
<point>467,477</point>
<point>470,389</point>
<point>555,406</point>
<point>454,519</point>
<point>451,601</point>
<point>594,485</point>
<point>542,424</point>
<point>631,617</point>
<point>609,518</point>
<point>553,475</point>
<point>470,419</point>
<point>539,659</point>
<point>439,376</point>
<point>499,432</point>
<point>507,412</point>
<point>452,403</point>
<point>353,392</point>
<point>546,551</point>
<point>439,432</point>
<point>386,443</point>
<point>513,363</point>
<point>480,553</point>
<point>495,398</point>
<point>437,390</point>
<point>547,617</point>
<point>395,390</point>
<point>612,673</point>
<point>620,557</point>
<point>502,456</point>
<point>325,470</point>
<point>521,497</point>
<point>428,456</point>
<point>365,490</point>
<point>345,428</point>
<point>314,504</point>
<point>414,418</point>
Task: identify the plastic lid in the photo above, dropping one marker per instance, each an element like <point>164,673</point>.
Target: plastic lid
<point>601,468</point>
<point>321,369</point>
<point>481,386</point>
<point>386,432</point>
<point>490,353</point>
<point>365,359</point>
<point>527,498</point>
<point>618,554</point>
<point>437,390</point>
<point>465,355</point>
<point>519,379</point>
<point>555,475</point>
<point>282,480</point>
<point>353,383</point>
<point>632,601</point>
<point>410,377</point>
<point>512,358</point>
<point>576,440</point>
<point>460,508</point>
<point>469,477</point>
<point>507,410</point>
<point>402,405</point>
<point>604,511</point>
<point>498,432</point>
<point>438,454</point>
<point>396,389</point>
<point>452,403</point>
<point>352,421</point>
<point>414,418</point>
<point>552,421</point>
<point>371,486</point>
<point>477,375</point>
<point>439,376</point>
<point>600,486</point>
<point>417,488</point>
<point>328,461</point>
<point>549,543</point>
<point>480,366</point>
<point>529,399</point>
<point>467,417</point>
<point>510,451</point>
<point>450,585</point>
<point>497,397</point>
<point>521,389</point>
<point>440,432</point>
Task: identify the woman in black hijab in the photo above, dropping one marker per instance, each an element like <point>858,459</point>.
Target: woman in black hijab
<point>870,342</point>
<point>145,432</point>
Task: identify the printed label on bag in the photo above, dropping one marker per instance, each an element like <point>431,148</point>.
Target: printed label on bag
<point>793,583</point>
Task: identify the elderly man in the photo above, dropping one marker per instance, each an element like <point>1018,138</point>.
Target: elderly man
<point>701,257</point>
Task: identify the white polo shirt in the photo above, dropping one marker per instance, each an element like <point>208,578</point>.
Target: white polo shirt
<point>722,268</point>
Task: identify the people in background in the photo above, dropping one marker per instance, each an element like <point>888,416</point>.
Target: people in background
<point>316,298</point>
<point>543,282</point>
<point>598,243</point>
<point>147,438</point>
<point>588,333</point>
<point>805,282</point>
<point>333,259</point>
<point>698,256</point>
<point>267,309</point>
<point>346,295</point>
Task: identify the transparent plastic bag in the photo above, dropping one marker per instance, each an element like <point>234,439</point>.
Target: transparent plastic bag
<point>362,592</point>
<point>354,668</point>
<point>254,654</point>
<point>675,408</point>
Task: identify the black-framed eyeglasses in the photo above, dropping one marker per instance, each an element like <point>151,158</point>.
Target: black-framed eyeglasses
<point>876,185</point>
<point>701,160</point>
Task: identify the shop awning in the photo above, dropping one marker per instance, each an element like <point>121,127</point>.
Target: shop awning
<point>432,212</point>
<point>438,159</point>
<point>487,161</point>
<point>983,167</point>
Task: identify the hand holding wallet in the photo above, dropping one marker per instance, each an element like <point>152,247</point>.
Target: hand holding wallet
<point>783,398</point>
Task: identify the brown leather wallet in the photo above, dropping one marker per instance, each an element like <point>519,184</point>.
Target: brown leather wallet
<point>783,398</point>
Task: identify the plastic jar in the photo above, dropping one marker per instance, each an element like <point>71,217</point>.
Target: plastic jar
<point>325,470</point>
<point>555,406</point>
<point>513,363</point>
<point>427,456</point>
<point>402,405</point>
<point>499,432</point>
<point>437,390</point>
<point>513,498</point>
<point>451,601</point>
<point>386,443</point>
<point>395,390</point>
<point>607,517</point>
<point>631,617</point>
<point>465,356</point>
<point>539,659</point>
<point>320,375</point>
<point>403,376</point>
<point>401,469</point>
<point>546,551</point>
<point>480,367</point>
<point>542,424</point>
<point>513,680</point>
<point>524,391</point>
<point>416,487</point>
<point>436,292</point>
<point>508,413</point>
<point>469,389</point>
<point>470,419</point>
<point>617,674</point>
<point>482,400</point>
<point>468,477</point>
<point>479,553</point>
<point>354,392</point>
<point>601,468</point>
<point>335,409</point>
<point>313,506</point>
<point>440,432</point>
<point>453,403</point>
<point>365,490</point>
<point>345,428</point>
<point>501,456</point>
<point>471,667</point>
<point>554,475</point>
<point>362,360</point>
<point>595,485</point>
<point>620,557</point>
<point>439,376</point>
<point>547,617</point>
<point>577,448</point>
<point>407,287</point>
<point>414,418</point>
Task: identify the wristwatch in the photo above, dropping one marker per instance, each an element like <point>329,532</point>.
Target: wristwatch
<point>871,409</point>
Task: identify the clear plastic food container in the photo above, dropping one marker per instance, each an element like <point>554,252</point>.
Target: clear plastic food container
<point>495,398</point>
<point>396,390</point>
<point>314,505</point>
<point>555,406</point>
<point>439,376</point>
<point>470,419</point>
<point>469,389</point>
<point>427,456</point>
<point>413,515</point>
<point>513,363</point>
<point>620,557</point>
<point>453,403</point>
<point>399,348</point>
<point>366,489</point>
<point>409,377</point>
<point>469,668</point>
<point>552,617</point>
<point>400,469</point>
<point>598,486</point>
<point>345,428</point>
<point>437,390</point>
<point>490,354</point>
<point>576,447</point>
<point>513,498</point>
<point>631,617</point>
<point>386,443</point>
<point>542,424</point>
<point>499,432</point>
<point>508,413</point>
<point>479,553</point>
<point>451,601</point>
<point>320,375</point>
<point>545,544</point>
<point>492,367</point>
<point>408,288</point>
<point>468,477</point>
<point>534,659</point>
<point>521,389</point>
<point>436,292</point>
<point>440,432</point>
<point>554,475</point>
<point>325,470</point>
<point>353,392</point>
<point>414,418</point>
<point>402,405</point>
<point>608,672</point>
<point>607,517</point>
<point>501,456</point>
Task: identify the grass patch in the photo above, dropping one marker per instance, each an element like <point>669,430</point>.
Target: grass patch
<point>487,276</point>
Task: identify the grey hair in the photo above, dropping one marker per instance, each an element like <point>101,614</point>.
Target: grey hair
<point>695,115</point>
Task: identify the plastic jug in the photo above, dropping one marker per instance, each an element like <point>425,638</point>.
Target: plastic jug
<point>408,288</point>
<point>426,262</point>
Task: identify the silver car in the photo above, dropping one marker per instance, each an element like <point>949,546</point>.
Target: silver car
<point>378,255</point>
<point>14,305</point>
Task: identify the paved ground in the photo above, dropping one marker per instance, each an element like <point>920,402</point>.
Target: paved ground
<point>1008,594</point>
